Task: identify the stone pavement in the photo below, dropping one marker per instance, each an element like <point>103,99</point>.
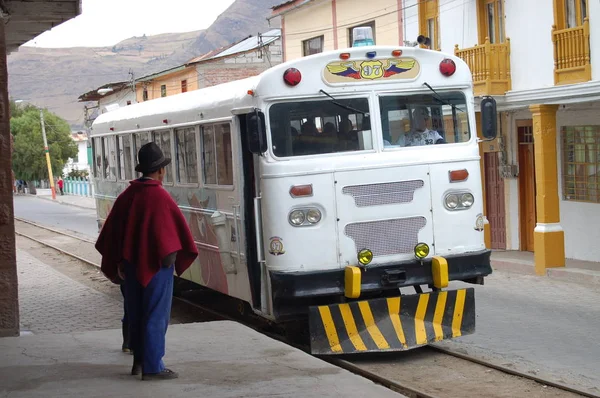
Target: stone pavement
<point>50,302</point>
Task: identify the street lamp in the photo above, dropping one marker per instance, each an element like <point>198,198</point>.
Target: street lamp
<point>46,150</point>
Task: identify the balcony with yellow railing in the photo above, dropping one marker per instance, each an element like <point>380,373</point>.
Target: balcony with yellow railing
<point>572,54</point>
<point>490,66</point>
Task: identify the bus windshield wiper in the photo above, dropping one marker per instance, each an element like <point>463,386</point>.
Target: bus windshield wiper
<point>349,108</point>
<point>440,99</point>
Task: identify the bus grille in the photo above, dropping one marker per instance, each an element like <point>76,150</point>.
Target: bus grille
<point>386,237</point>
<point>384,193</point>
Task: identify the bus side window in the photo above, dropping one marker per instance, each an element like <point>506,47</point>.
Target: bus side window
<point>187,159</point>
<point>109,158</point>
<point>97,150</point>
<point>163,140</point>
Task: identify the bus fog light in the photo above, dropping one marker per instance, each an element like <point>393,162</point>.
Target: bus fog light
<point>297,217</point>
<point>313,216</point>
<point>365,256</point>
<point>466,200</point>
<point>451,201</point>
<point>421,250</point>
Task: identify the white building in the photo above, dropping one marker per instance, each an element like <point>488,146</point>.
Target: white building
<point>81,161</point>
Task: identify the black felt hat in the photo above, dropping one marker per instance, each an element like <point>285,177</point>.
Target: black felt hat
<point>151,159</point>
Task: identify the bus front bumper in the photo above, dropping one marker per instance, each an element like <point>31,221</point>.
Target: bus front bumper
<point>293,286</point>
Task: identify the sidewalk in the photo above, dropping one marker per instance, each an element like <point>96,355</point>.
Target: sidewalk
<point>66,352</point>
<point>83,202</point>
<point>575,271</point>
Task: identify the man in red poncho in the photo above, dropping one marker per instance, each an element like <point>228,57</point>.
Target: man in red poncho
<point>143,238</point>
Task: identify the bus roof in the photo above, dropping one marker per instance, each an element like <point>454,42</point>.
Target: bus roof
<point>356,69</point>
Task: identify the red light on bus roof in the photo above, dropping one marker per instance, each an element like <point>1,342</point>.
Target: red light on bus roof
<point>292,77</point>
<point>345,56</point>
<point>300,191</point>
<point>112,129</point>
<point>251,92</point>
<point>458,175</point>
<point>397,53</point>
<point>447,67</point>
<point>165,121</point>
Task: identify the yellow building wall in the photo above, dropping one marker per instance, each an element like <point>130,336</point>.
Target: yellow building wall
<point>172,81</point>
<point>350,13</point>
<point>313,20</point>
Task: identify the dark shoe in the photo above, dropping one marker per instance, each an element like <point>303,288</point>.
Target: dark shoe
<point>166,374</point>
<point>136,369</point>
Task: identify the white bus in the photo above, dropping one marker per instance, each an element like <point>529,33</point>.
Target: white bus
<point>318,189</point>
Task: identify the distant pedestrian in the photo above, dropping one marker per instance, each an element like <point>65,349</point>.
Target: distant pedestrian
<point>144,238</point>
<point>60,184</point>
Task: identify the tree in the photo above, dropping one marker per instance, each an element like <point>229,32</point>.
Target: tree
<point>29,159</point>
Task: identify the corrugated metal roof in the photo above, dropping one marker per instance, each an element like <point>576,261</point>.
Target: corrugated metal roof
<point>249,44</point>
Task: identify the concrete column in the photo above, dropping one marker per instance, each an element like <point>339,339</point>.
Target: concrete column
<point>549,237</point>
<point>9,298</point>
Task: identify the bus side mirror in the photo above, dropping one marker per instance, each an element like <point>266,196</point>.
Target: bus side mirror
<point>489,118</point>
<point>256,136</point>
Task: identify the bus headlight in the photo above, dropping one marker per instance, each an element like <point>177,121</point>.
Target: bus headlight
<point>313,216</point>
<point>466,200</point>
<point>451,201</point>
<point>458,200</point>
<point>421,250</point>
<point>297,217</point>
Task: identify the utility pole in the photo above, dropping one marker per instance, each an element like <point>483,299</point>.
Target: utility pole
<point>47,156</point>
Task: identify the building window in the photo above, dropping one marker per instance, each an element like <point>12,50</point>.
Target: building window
<point>492,21</point>
<point>429,21</point>
<point>163,90</point>
<point>128,102</point>
<point>163,140</point>
<point>217,155</point>
<point>145,94</point>
<point>187,159</point>
<point>575,12</point>
<point>581,163</point>
<point>312,46</point>
<point>184,86</point>
<point>360,39</point>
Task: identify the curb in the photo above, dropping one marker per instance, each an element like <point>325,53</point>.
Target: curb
<point>64,203</point>
<point>572,275</point>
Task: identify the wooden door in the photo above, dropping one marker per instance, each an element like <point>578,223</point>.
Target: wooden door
<point>494,195</point>
<point>527,189</point>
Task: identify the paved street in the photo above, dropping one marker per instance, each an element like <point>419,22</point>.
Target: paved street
<point>539,325</point>
<point>56,215</point>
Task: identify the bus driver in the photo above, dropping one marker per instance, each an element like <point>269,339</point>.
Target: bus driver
<point>420,134</point>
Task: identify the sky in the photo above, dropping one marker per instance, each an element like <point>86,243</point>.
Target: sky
<point>107,22</point>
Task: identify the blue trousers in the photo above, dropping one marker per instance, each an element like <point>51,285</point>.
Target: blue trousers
<point>149,311</point>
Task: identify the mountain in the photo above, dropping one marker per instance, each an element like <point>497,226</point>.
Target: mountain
<point>56,77</point>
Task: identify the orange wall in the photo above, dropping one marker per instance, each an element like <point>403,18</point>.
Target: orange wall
<point>171,80</point>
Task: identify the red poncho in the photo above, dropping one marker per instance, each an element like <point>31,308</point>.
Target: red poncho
<point>143,227</point>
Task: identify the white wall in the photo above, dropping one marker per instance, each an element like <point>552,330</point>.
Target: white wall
<point>82,159</point>
<point>411,20</point>
<point>594,15</point>
<point>458,24</point>
<point>116,100</point>
<point>579,220</point>
<point>529,26</point>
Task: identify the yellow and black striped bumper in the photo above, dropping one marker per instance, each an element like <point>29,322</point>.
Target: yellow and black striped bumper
<point>391,324</point>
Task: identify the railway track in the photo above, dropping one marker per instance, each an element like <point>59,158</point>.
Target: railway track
<point>429,372</point>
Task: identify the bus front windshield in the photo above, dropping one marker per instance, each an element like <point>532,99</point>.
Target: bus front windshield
<point>424,119</point>
<point>320,126</point>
